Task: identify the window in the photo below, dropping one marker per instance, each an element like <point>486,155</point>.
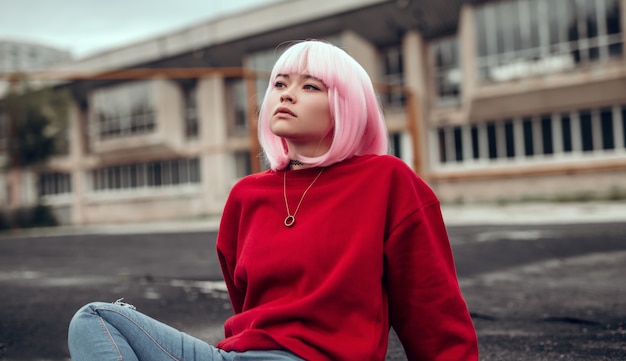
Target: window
<point>566,131</point>
<point>393,76</point>
<point>509,138</point>
<point>237,103</point>
<point>546,134</point>
<point>54,184</point>
<point>123,110</point>
<point>475,142</point>
<point>492,140</point>
<point>447,71</point>
<point>243,165</point>
<point>529,146</point>
<point>441,137</point>
<point>395,142</point>
<point>521,38</point>
<point>606,128</point>
<point>190,111</point>
<point>588,132</point>
<point>458,144</point>
<point>613,26</point>
<point>156,174</point>
<point>623,113</point>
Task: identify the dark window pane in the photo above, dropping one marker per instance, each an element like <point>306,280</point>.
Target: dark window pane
<point>554,19</point>
<point>606,119</point>
<point>442,145</point>
<point>395,144</point>
<point>154,174</point>
<point>475,146</point>
<point>546,134</point>
<point>481,32</point>
<point>613,25</point>
<point>612,9</point>
<point>586,131</point>
<point>566,129</point>
<point>117,173</point>
<point>132,169</point>
<point>624,125</point>
<point>458,144</point>
<point>194,166</point>
<point>591,19</point>
<point>592,28</point>
<point>509,138</point>
<point>447,72</point>
<point>534,26</point>
<point>572,29</point>
<point>503,26</point>
<point>175,170</point>
<point>492,141</point>
<point>527,125</point>
<point>615,50</point>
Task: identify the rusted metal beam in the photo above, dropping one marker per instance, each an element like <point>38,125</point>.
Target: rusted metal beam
<point>128,74</point>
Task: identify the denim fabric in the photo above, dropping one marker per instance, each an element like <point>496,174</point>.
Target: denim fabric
<point>105,331</point>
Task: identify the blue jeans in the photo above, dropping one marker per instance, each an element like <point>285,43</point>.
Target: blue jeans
<point>105,331</point>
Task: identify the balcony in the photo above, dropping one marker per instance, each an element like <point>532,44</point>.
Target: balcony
<point>551,83</point>
<point>137,118</point>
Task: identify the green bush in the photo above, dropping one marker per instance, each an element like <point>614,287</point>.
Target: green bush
<point>4,221</point>
<point>28,217</point>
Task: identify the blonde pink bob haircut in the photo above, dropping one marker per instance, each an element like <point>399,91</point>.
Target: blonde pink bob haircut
<point>359,126</point>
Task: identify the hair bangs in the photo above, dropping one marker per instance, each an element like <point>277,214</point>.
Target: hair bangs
<point>312,58</point>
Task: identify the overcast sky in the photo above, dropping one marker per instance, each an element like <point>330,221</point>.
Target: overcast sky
<point>87,26</point>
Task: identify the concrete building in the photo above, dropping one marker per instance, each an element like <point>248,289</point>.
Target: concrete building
<point>486,100</point>
<point>18,56</point>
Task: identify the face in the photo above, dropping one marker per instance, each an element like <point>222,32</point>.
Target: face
<point>300,113</point>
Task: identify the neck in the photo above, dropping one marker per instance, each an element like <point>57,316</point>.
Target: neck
<point>309,149</point>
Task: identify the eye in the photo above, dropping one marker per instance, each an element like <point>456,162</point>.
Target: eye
<point>311,87</point>
<point>279,84</point>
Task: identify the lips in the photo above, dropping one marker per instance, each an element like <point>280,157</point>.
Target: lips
<point>284,111</point>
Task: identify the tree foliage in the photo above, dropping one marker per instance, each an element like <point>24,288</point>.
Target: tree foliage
<point>37,123</point>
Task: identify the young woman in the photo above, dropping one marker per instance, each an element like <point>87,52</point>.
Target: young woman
<point>324,252</point>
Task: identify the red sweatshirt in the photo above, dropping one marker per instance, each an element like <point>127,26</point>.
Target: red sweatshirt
<point>368,250</point>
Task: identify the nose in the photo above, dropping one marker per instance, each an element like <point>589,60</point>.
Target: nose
<point>286,96</point>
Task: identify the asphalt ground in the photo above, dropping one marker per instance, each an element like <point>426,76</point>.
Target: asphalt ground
<point>536,291</point>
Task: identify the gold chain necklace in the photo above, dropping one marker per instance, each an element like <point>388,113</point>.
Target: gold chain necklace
<point>290,220</point>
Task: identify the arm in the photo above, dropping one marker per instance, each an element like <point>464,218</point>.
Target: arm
<point>427,309</point>
<point>227,244</point>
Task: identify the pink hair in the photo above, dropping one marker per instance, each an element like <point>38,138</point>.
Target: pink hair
<point>359,126</point>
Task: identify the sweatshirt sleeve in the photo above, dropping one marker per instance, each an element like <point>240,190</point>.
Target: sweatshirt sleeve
<point>426,307</point>
<point>227,244</point>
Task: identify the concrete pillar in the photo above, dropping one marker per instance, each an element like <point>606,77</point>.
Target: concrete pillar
<point>215,160</point>
<point>77,119</point>
<point>415,77</point>
<point>362,51</point>
<point>467,54</point>
<point>169,110</point>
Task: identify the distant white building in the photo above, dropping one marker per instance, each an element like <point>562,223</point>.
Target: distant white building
<point>18,56</point>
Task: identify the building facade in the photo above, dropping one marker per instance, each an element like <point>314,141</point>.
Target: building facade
<point>18,56</point>
<point>486,100</point>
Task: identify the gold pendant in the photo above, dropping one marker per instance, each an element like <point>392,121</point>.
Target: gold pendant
<point>290,220</point>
